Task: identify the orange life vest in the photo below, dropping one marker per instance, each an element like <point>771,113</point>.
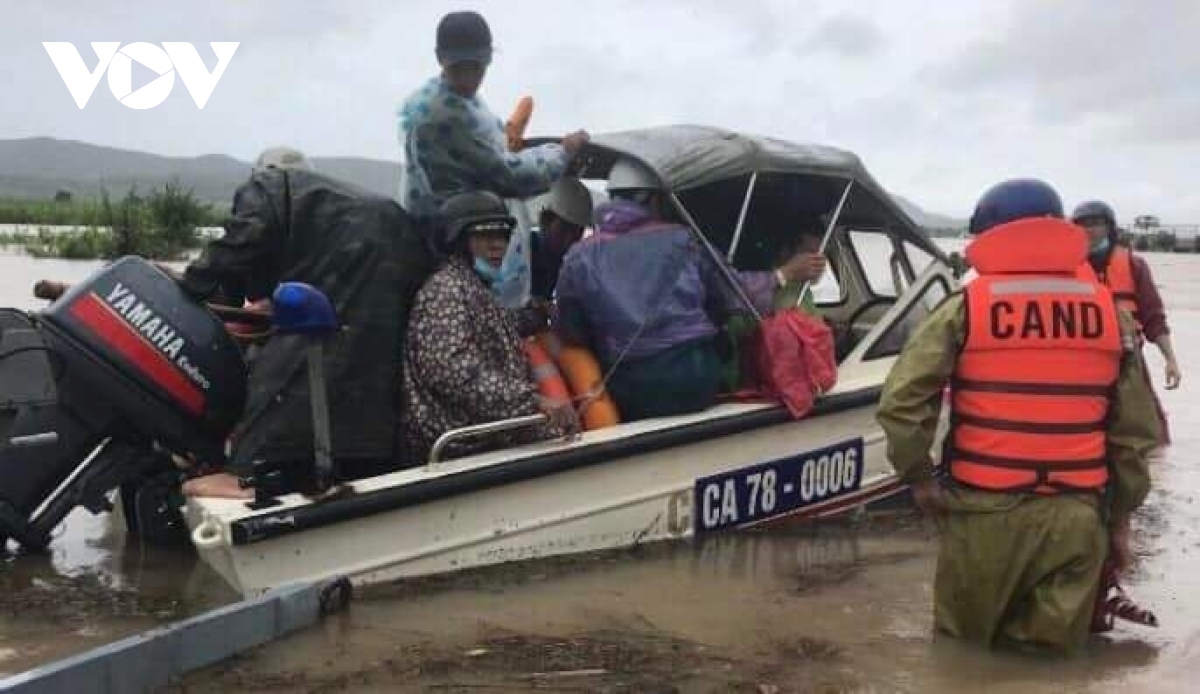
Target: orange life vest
<point>1118,276</point>
<point>1033,384</point>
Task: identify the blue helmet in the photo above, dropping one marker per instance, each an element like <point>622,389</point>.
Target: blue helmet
<point>1017,198</point>
<point>1094,208</point>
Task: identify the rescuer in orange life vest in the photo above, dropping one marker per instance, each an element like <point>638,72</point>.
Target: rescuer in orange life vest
<point>1047,453</point>
<point>1129,278</point>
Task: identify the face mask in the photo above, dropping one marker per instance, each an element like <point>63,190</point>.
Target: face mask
<point>1099,247</point>
<point>490,273</point>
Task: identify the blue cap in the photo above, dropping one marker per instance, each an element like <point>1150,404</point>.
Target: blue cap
<point>464,37</point>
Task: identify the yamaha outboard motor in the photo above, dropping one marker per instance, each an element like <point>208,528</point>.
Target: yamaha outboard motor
<point>101,387</point>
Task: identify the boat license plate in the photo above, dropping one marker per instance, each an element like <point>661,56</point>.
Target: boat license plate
<point>767,490</point>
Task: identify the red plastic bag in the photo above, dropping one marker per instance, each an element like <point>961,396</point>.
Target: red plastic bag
<point>790,357</point>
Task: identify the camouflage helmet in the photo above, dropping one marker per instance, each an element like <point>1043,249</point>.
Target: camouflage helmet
<point>282,158</point>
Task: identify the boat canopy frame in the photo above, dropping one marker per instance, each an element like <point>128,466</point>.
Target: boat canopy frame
<point>687,157</point>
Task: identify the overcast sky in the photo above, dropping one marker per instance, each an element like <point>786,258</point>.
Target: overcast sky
<point>940,99</point>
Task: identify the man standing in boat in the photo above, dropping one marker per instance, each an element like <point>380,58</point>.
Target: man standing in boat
<point>1129,278</point>
<point>1048,442</point>
<point>453,143</point>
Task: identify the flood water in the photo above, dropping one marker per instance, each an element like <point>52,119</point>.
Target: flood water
<point>840,607</point>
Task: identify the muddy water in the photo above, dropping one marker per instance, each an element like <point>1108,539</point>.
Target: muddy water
<point>842,607</point>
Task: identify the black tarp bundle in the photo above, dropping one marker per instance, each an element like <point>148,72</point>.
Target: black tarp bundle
<point>365,253</point>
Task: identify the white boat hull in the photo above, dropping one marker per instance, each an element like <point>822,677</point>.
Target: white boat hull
<point>603,505</point>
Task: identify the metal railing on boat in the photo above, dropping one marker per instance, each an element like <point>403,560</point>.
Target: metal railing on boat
<point>439,446</point>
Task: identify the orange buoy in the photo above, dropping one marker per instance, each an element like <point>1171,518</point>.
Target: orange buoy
<point>514,129</point>
<point>586,380</point>
<point>549,381</point>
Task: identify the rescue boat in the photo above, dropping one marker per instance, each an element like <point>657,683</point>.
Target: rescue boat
<point>733,466</point>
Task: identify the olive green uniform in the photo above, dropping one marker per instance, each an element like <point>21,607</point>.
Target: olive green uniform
<point>1017,569</point>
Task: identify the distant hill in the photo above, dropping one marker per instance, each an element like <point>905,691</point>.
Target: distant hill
<point>928,220</point>
<point>39,167</point>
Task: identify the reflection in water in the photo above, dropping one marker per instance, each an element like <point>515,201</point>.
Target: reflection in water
<point>843,607</point>
<point>94,587</point>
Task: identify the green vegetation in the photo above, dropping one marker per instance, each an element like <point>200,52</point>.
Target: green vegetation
<point>13,239</point>
<point>85,213</point>
<point>85,244</point>
<point>161,225</point>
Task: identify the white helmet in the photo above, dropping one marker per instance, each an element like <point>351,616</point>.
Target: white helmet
<point>629,174</point>
<point>282,158</point>
<point>571,200</point>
